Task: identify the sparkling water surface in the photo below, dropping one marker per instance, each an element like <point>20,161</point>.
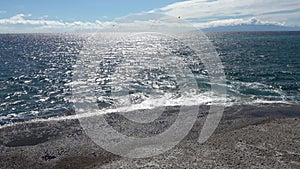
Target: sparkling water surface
<point>36,72</point>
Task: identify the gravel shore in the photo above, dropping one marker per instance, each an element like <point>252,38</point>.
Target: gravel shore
<point>261,136</point>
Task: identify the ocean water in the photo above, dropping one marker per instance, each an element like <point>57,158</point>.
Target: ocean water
<point>37,72</point>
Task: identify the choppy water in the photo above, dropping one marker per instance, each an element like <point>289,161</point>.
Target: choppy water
<point>36,72</point>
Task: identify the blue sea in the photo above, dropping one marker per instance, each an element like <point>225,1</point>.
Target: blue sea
<point>37,73</point>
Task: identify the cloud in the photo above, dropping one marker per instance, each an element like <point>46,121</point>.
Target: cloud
<point>208,11</point>
<point>2,12</point>
<point>44,17</point>
<point>20,19</point>
<point>139,22</point>
<point>23,22</point>
<point>235,22</point>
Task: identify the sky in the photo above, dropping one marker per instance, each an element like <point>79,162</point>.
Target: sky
<point>18,16</point>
